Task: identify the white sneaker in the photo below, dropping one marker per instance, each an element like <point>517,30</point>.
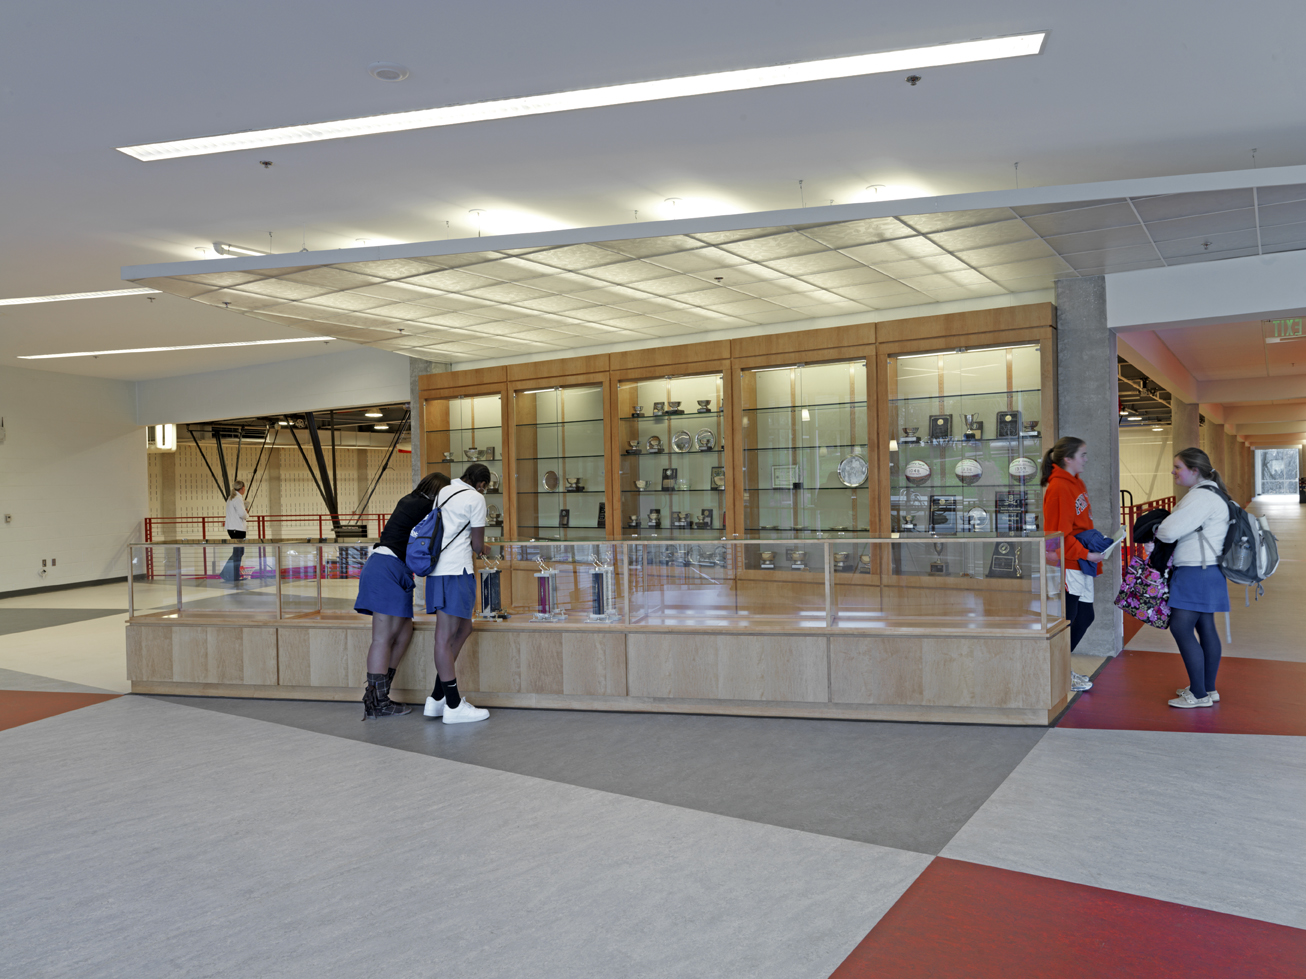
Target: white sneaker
<point>1079,683</point>
<point>1215,697</point>
<point>464,713</point>
<point>433,708</point>
<point>1186,699</point>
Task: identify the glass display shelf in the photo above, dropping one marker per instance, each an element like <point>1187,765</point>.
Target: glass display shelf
<point>965,441</point>
<point>861,583</point>
<point>689,452</point>
<point>560,439</point>
<point>464,430</point>
<point>806,441</point>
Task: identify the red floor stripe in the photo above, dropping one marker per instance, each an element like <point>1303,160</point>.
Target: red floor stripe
<point>1257,696</point>
<point>24,706</point>
<point>966,920</point>
<point>1132,627</point>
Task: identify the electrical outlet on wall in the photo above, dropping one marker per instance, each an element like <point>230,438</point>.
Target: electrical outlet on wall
<point>53,561</point>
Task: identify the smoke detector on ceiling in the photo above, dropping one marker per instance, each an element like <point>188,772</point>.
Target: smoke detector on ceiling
<point>387,71</point>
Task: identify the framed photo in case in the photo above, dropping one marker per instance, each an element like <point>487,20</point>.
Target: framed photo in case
<point>786,477</point>
<point>669,478</point>
<point>1008,424</point>
<point>940,426</point>
<point>944,511</point>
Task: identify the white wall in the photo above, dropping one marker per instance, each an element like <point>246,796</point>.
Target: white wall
<point>72,474</point>
<point>358,376</point>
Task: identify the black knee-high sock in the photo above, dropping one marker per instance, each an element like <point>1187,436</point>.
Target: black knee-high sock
<point>451,698</point>
<point>437,692</point>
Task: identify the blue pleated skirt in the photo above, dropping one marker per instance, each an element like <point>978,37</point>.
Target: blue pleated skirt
<point>1199,589</point>
<point>385,586</point>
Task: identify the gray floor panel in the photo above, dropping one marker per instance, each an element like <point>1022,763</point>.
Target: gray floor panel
<point>907,786</point>
<point>146,840</point>
<point>1210,820</point>
<point>26,619</point>
<point>16,680</point>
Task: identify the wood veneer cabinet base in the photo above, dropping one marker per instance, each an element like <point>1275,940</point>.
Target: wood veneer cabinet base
<point>941,676</point>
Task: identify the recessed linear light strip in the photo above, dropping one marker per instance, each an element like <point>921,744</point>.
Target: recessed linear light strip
<point>189,346</point>
<point>77,295</point>
<point>961,52</point>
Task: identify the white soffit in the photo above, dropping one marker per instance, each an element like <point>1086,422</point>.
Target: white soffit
<point>474,299</point>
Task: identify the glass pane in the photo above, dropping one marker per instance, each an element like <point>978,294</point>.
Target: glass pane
<point>673,473</point>
<point>560,463</point>
<point>460,431</point>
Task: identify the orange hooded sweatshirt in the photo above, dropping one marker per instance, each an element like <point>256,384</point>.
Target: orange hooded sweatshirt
<point>1066,510</point>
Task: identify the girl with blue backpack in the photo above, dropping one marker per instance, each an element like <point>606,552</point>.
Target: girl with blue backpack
<point>385,592</point>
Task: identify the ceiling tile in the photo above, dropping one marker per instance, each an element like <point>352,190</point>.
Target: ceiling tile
<point>1046,267</point>
<point>391,268</point>
<point>452,280</point>
<point>983,236</point>
<point>221,280</point>
<point>747,307</point>
<point>1169,206</point>
<point>462,320</point>
<point>176,286</point>
<point>1273,215</point>
<point>1284,236</point>
<point>846,234</point>
<point>1213,255</point>
<point>1109,239</point>
<point>1086,219</point>
<point>598,314</point>
<point>1203,226</point>
<point>726,237</point>
<point>510,269</point>
<point>647,247</point>
<point>1278,195</point>
<point>555,304</point>
<point>238,300</point>
<point>805,265</point>
<point>785,245</point>
<point>1102,257</point>
<point>508,292</point>
<point>713,297</point>
<point>628,272</point>
<point>403,311</point>
<point>576,258</point>
<point>894,251</point>
<point>673,285</point>
<point>640,323</point>
<point>778,287</point>
<point>349,300</point>
<point>1029,210</point>
<point>564,283</point>
<point>859,276</point>
<point>951,220</point>
<point>397,291</point>
<point>464,258</point>
<point>701,260</point>
<point>875,291</point>
<point>332,278</point>
<point>610,294</point>
<point>799,300</point>
<point>921,266</point>
<point>654,307</point>
<point>949,280</point>
<point>1018,251</point>
<point>1032,283</point>
<point>739,274</point>
<point>1210,245</point>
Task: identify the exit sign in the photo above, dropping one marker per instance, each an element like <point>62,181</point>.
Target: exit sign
<point>1287,328</point>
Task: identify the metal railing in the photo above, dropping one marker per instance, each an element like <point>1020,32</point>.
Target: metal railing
<point>1129,513</point>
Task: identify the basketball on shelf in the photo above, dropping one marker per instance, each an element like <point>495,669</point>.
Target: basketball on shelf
<point>917,472</point>
<point>968,471</point>
<point>1022,469</point>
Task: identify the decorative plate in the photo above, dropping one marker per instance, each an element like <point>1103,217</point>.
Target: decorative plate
<point>681,441</point>
<point>654,443</point>
<point>979,518</point>
<point>853,470</point>
<point>705,440</point>
<point>550,480</point>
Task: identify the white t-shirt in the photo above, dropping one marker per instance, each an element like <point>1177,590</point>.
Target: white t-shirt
<point>466,509</point>
<point>236,514</point>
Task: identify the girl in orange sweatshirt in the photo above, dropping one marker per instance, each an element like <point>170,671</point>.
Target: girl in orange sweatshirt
<point>1066,510</point>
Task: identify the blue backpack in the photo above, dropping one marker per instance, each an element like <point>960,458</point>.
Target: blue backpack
<point>426,540</point>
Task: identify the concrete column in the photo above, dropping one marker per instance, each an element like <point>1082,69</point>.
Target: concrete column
<point>1086,408</point>
<point>1184,432</point>
<point>416,368</point>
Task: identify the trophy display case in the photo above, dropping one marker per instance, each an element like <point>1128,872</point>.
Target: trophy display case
<point>463,430</point>
<point>805,466</point>
<point>671,457</point>
<point>559,454</point>
<point>966,439</point>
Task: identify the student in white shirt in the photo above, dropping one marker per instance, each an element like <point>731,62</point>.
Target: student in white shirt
<point>237,523</point>
<point>451,589</point>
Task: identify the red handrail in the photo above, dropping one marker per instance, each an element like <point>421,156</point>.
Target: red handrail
<point>181,528</point>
